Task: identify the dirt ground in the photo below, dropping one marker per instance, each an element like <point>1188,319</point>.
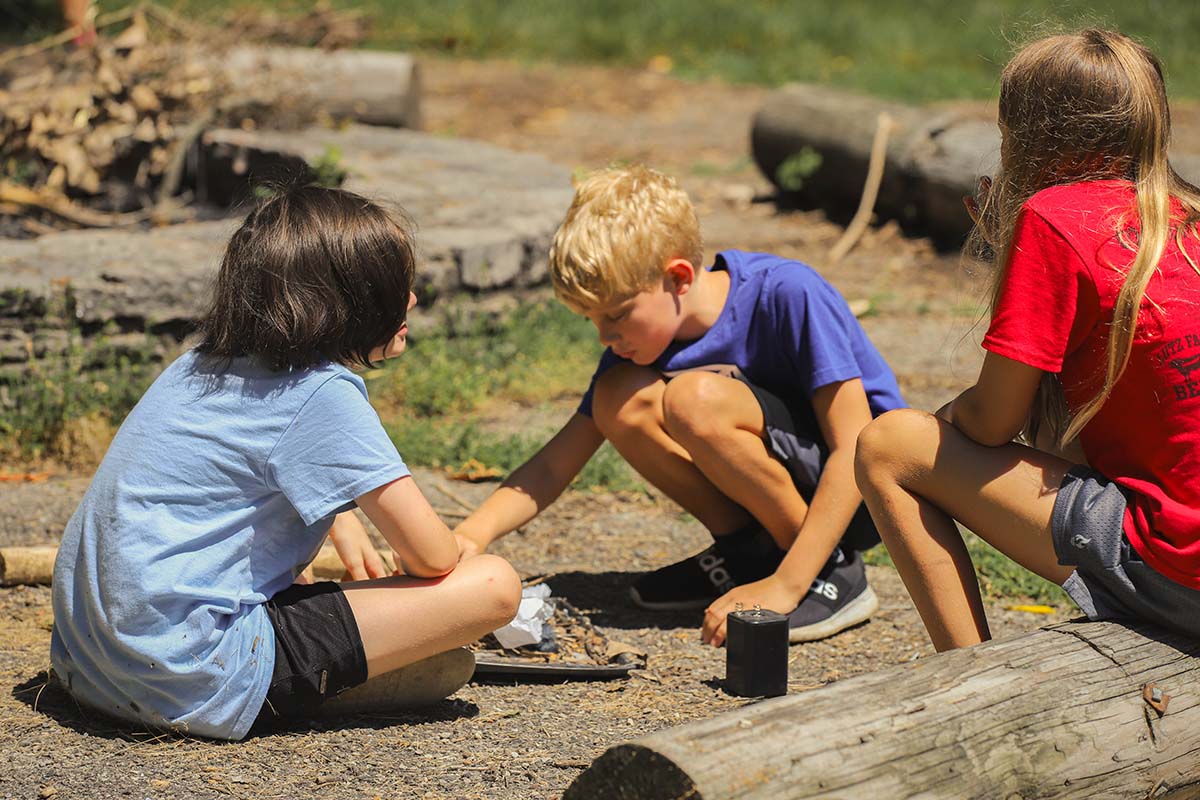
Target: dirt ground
<point>529,741</point>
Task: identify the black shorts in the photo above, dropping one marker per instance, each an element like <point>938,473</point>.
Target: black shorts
<point>318,650</point>
<point>795,440</point>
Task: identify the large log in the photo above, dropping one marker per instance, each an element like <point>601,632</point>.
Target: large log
<point>375,87</point>
<point>1057,713</point>
<point>934,156</point>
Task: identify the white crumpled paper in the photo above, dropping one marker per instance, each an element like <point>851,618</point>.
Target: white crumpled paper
<point>526,628</point>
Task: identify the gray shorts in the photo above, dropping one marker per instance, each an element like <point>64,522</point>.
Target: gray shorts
<point>1110,580</point>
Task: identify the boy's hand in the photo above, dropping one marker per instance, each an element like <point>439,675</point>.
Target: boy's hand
<point>770,593</point>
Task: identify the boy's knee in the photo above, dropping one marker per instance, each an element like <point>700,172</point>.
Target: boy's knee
<point>626,398</point>
<point>695,405</point>
<point>882,443</point>
<point>496,585</point>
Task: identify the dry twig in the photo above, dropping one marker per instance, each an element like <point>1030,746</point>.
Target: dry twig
<point>862,217</point>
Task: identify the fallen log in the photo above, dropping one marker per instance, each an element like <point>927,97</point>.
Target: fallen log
<point>369,86</point>
<point>1067,711</point>
<point>34,566</point>
<point>934,155</point>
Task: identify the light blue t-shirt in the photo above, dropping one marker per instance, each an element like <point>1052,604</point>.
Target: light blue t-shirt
<point>217,490</point>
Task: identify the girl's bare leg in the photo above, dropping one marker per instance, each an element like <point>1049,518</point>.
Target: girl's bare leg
<point>403,620</point>
<point>918,474</point>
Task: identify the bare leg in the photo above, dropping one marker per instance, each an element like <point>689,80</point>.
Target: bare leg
<point>403,620</point>
<point>918,474</point>
<point>720,424</point>
<point>628,410</point>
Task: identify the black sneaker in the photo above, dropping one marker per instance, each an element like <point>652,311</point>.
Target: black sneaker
<point>840,598</point>
<point>740,557</point>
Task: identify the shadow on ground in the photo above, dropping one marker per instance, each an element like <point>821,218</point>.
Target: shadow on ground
<point>48,697</point>
<point>604,597</point>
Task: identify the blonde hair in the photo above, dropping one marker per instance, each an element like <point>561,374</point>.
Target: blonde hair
<point>622,228</point>
<point>1085,106</point>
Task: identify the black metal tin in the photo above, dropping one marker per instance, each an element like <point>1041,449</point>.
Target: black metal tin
<point>756,653</point>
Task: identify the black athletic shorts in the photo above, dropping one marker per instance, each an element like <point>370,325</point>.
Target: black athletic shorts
<point>795,440</point>
<point>318,651</point>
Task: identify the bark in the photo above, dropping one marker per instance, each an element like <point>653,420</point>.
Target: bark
<point>1056,713</point>
<point>368,86</point>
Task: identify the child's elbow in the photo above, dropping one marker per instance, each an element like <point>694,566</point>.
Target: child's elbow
<point>431,565</point>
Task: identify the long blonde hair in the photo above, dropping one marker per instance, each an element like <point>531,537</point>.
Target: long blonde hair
<point>1085,106</point>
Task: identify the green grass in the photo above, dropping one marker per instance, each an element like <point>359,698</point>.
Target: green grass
<point>61,410</point>
<point>919,50</point>
<point>1000,578</point>
<point>433,401</point>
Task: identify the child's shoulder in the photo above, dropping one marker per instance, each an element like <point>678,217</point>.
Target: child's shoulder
<point>210,380</point>
<point>1081,200</point>
<point>772,272</point>
<point>777,282</point>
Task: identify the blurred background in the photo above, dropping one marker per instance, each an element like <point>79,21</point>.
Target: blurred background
<point>916,50</point>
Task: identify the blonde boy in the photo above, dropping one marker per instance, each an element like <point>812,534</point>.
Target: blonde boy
<point>738,390</point>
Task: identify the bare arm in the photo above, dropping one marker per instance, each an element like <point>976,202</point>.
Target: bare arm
<point>534,485</point>
<point>842,411</point>
<point>423,544</point>
<point>994,410</point>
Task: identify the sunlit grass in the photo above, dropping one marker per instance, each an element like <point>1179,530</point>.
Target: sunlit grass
<point>920,50</point>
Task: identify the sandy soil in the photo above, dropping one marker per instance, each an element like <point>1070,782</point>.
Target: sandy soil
<point>505,741</point>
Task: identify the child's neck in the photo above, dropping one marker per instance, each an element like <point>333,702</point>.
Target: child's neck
<point>703,304</point>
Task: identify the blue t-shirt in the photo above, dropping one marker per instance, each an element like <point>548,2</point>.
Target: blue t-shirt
<point>216,491</point>
<point>784,328</point>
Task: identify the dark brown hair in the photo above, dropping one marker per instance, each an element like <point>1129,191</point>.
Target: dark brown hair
<point>312,275</point>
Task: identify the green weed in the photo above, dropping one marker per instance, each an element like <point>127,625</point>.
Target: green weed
<point>999,576</point>
<point>798,168</point>
<point>55,408</point>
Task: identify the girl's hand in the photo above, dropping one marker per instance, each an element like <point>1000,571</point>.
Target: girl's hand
<point>354,547</point>
<point>976,203</point>
<point>769,593</point>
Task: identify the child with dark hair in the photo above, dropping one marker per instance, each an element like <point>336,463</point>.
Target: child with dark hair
<point>176,594</point>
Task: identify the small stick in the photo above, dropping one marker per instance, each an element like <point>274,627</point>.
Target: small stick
<point>173,174</point>
<point>466,506</point>
<point>862,217</point>
<point>452,513</point>
<point>60,206</point>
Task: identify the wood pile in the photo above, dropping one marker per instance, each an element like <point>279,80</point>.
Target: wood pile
<point>100,137</point>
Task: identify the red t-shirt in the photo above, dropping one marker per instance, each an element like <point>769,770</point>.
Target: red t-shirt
<point>1066,266</point>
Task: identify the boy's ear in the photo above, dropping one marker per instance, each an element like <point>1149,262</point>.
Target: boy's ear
<point>680,275</point>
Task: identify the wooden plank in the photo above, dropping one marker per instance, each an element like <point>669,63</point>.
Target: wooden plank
<point>1058,712</point>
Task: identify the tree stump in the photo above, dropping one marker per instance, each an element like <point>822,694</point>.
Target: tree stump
<point>1062,712</point>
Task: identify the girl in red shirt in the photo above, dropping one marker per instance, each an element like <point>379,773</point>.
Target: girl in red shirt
<point>1094,344</point>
